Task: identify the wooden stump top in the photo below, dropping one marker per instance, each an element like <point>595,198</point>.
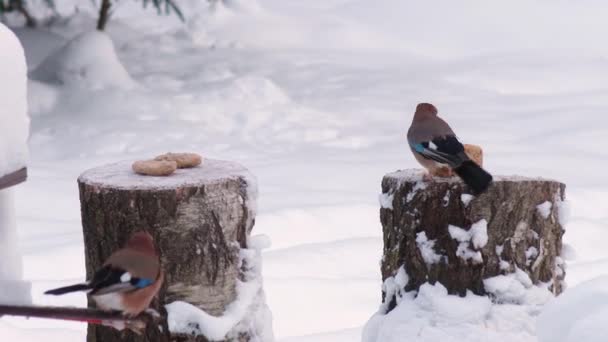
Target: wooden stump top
<point>416,175</point>
<point>121,176</point>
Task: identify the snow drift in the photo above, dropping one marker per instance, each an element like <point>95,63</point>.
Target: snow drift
<point>88,60</point>
<point>580,314</point>
<point>14,123</point>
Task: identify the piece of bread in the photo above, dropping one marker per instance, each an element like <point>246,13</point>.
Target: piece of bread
<point>183,160</point>
<point>154,167</point>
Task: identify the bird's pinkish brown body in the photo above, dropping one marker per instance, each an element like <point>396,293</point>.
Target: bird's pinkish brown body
<point>129,279</point>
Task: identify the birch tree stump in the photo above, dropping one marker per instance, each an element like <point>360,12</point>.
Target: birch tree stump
<point>200,219</point>
<point>440,233</point>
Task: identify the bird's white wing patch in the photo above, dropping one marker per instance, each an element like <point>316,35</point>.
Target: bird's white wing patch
<point>125,277</point>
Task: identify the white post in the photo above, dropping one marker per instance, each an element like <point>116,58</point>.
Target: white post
<point>14,127</point>
<point>12,289</point>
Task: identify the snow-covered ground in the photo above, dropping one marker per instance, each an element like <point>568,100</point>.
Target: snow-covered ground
<point>315,98</point>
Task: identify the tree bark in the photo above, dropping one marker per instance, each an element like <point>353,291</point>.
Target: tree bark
<point>200,218</point>
<point>104,14</point>
<point>519,236</point>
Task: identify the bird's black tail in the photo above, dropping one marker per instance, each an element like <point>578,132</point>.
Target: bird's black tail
<point>68,289</point>
<point>474,176</point>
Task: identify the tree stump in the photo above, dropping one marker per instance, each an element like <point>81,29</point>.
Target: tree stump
<point>439,232</point>
<point>200,219</point>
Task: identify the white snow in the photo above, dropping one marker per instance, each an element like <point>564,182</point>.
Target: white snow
<point>426,248</point>
<point>502,263</point>
<point>433,315</point>
<point>393,287</point>
<point>563,212</point>
<point>386,200</point>
<point>466,199</point>
<point>420,185</point>
<point>544,209</point>
<point>247,313</point>
<point>314,98</point>
<point>476,236</point>
<point>14,290</point>
<point>446,199</point>
<point>531,254</point>
<point>577,315</point>
<point>516,288</point>
<point>479,233</point>
<point>14,123</point>
<point>88,60</point>
<point>14,128</point>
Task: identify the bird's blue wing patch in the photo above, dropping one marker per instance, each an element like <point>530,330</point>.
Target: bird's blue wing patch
<point>419,148</point>
<point>140,283</point>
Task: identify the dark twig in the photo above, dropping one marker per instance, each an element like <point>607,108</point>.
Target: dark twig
<point>13,178</point>
<point>93,316</point>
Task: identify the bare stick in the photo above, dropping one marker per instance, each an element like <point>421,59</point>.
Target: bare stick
<point>93,316</point>
<point>13,178</point>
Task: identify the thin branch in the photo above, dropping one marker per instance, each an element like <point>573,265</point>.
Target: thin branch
<point>93,316</point>
<point>13,178</point>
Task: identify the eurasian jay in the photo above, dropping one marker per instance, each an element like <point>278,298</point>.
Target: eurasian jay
<point>128,280</point>
<point>435,145</point>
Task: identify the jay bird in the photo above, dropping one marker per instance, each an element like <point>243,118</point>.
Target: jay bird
<point>128,280</point>
<point>435,145</point>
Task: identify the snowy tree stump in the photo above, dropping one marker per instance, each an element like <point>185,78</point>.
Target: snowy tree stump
<point>440,233</point>
<point>200,219</point>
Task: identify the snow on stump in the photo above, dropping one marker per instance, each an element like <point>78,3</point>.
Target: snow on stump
<point>200,219</point>
<point>507,238</point>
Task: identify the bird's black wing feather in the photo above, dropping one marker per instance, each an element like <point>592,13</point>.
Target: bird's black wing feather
<point>446,150</point>
<point>105,277</point>
<point>449,145</point>
<point>109,279</point>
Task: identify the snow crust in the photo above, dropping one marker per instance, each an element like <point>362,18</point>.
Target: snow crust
<point>120,175</point>
<point>563,212</point>
<point>14,130</point>
<point>476,236</point>
<point>247,314</point>
<point>433,315</point>
<point>88,60</point>
<point>393,287</point>
<point>544,209</point>
<point>427,250</point>
<point>516,288</point>
<point>466,199</point>
<point>386,200</point>
<point>13,290</point>
<point>14,122</point>
<point>577,315</point>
